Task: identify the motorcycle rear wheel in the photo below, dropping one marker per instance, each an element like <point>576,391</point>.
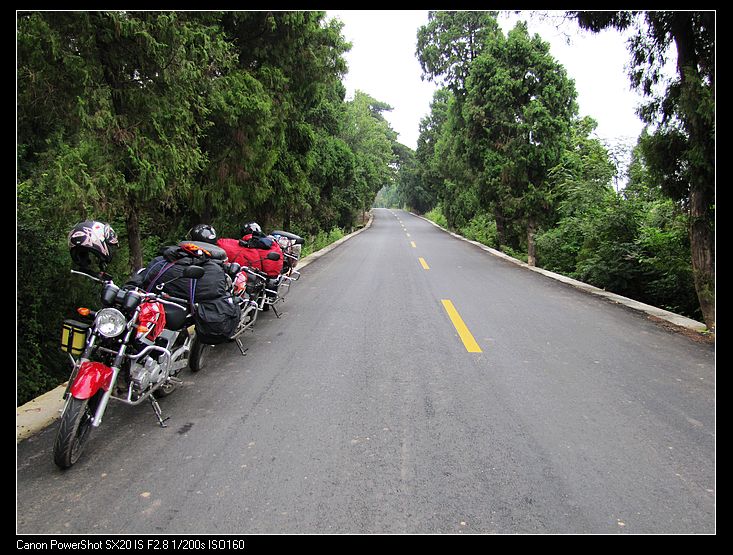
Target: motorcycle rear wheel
<point>74,430</point>
<point>198,355</point>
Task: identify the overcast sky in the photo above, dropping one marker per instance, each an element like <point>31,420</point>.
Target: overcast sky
<point>382,63</point>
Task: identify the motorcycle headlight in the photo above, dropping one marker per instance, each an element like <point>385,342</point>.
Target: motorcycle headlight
<point>110,322</point>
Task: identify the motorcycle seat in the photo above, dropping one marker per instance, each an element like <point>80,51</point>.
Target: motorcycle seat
<point>175,318</point>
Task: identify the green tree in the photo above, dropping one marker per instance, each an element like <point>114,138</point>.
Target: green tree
<point>632,242</point>
<point>663,241</point>
<point>153,121</point>
<point>334,171</point>
<point>459,195</point>
<point>519,107</point>
<point>681,153</point>
<point>423,189</point>
<point>582,190</point>
<point>447,46</point>
<point>111,106</point>
<point>371,139</point>
<point>141,82</point>
<point>449,43</point>
<point>297,59</point>
<point>407,187</point>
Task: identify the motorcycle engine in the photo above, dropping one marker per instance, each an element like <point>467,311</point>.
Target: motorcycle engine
<point>149,373</point>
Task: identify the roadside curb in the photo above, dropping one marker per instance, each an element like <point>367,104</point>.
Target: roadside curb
<point>671,317</point>
<point>39,413</point>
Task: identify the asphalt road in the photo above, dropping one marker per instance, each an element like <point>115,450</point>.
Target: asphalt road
<point>361,410</point>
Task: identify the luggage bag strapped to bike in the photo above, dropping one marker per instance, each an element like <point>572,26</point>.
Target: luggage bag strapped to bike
<point>74,336</point>
<point>252,252</point>
<point>216,315</point>
<point>216,320</point>
<point>214,312</point>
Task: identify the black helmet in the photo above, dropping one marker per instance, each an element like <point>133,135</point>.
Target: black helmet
<point>91,237</point>
<point>203,232</point>
<point>252,228</point>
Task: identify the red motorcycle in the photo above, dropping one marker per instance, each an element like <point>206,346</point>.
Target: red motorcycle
<point>130,350</point>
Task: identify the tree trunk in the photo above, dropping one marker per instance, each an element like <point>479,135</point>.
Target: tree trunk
<point>500,229</point>
<point>702,245</point>
<point>531,249</point>
<point>702,188</point>
<point>133,238</point>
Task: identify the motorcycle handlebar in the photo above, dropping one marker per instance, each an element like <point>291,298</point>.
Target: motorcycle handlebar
<point>173,303</point>
<point>257,273</point>
<point>170,299</point>
<point>162,297</point>
<point>101,278</point>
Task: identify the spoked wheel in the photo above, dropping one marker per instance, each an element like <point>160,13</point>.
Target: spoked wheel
<point>74,430</point>
<point>198,355</point>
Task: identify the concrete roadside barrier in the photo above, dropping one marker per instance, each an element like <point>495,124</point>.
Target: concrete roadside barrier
<point>38,413</point>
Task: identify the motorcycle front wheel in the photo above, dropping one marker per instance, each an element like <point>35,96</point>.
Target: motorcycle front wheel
<point>74,430</point>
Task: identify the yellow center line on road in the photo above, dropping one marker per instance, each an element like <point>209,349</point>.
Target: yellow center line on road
<point>468,341</point>
<point>423,263</point>
<point>413,244</point>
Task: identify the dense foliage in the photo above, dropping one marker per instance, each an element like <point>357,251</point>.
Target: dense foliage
<point>156,121</point>
<point>680,153</point>
<point>504,157</point>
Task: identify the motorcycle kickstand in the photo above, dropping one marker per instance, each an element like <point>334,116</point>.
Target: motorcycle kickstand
<point>159,413</point>
<point>277,314</point>
<point>241,348</point>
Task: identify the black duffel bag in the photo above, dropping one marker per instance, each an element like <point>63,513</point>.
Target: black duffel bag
<point>216,320</point>
<point>216,314</point>
<point>168,269</point>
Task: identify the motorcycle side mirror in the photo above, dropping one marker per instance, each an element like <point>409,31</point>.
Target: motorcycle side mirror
<point>194,272</point>
<point>273,256</point>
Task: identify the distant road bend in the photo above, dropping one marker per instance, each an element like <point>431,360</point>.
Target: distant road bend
<point>413,384</point>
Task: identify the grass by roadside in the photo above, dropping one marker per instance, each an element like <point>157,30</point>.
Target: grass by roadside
<point>321,240</point>
<point>314,243</point>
